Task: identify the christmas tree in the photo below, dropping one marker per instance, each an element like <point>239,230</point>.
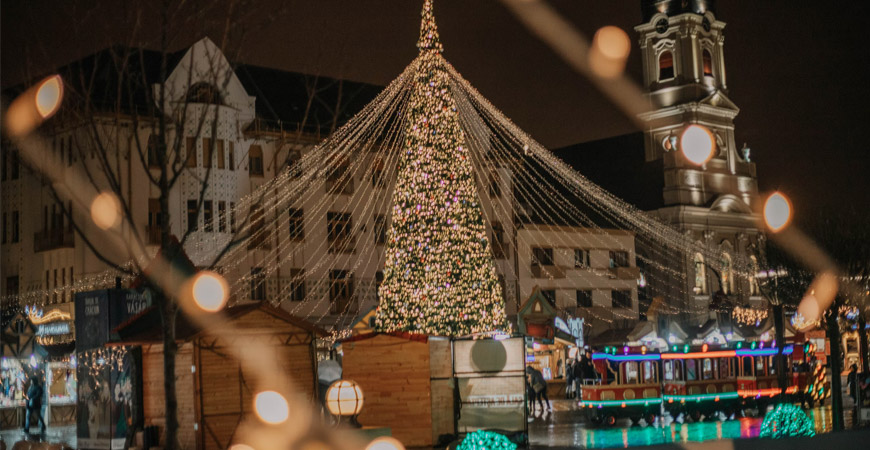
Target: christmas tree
<point>439,276</point>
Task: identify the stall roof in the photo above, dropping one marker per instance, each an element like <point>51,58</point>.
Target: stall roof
<point>146,326</point>
<point>397,334</point>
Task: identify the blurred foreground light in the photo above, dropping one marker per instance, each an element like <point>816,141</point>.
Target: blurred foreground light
<point>271,407</point>
<point>697,144</point>
<point>344,398</point>
<point>106,211</point>
<point>385,443</point>
<point>210,291</point>
<point>818,298</point>
<point>241,447</point>
<point>777,211</point>
<point>609,51</point>
<point>34,106</point>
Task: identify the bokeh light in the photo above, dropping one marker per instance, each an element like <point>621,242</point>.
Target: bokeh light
<point>49,95</point>
<point>241,447</point>
<point>271,407</point>
<point>344,398</point>
<point>609,52</point>
<point>210,291</point>
<point>106,211</point>
<point>777,211</point>
<point>697,144</point>
<point>385,443</point>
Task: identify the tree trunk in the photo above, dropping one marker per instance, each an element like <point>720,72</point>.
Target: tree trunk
<point>836,368</point>
<point>779,325</point>
<point>168,314</point>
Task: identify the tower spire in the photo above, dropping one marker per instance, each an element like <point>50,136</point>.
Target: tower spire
<point>429,39</point>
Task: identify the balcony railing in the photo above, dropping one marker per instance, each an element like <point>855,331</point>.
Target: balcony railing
<point>154,234</point>
<point>53,239</point>
<point>625,273</point>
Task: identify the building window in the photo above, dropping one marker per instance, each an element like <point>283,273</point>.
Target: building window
<point>708,63</point>
<point>621,299</point>
<point>380,229</point>
<point>297,285</point>
<point>192,214</point>
<point>618,259</point>
<point>208,215</point>
<point>232,155</point>
<point>542,256</point>
<point>727,275</point>
<point>700,275</point>
<point>341,292</point>
<point>297,224</point>
<point>581,258</point>
<point>222,216</point>
<point>549,295</point>
<point>666,65</point>
<point>584,299</point>
<point>204,93</point>
<point>339,181</point>
<point>206,153</point>
<point>255,157</point>
<point>259,236</point>
<point>153,149</point>
<point>293,159</point>
<point>232,217</point>
<point>190,148</point>
<point>378,175</point>
<point>258,284</point>
<point>221,160</point>
<point>494,185</point>
<point>753,281</point>
<point>499,241</point>
<point>155,219</point>
<point>339,226</point>
<point>15,227</point>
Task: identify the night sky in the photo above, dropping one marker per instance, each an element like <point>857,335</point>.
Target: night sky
<point>799,70</point>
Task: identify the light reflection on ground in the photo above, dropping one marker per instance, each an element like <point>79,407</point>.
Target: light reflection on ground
<point>566,428</point>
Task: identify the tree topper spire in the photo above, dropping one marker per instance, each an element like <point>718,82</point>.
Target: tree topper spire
<point>429,39</point>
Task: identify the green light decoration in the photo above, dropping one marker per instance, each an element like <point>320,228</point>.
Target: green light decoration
<point>439,273</point>
<point>486,440</point>
<point>787,420</point>
<point>702,397</point>
<point>631,402</point>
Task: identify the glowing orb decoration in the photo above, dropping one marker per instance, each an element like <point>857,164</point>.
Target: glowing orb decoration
<point>49,95</point>
<point>344,398</point>
<point>210,291</point>
<point>697,144</point>
<point>106,211</point>
<point>271,407</point>
<point>786,420</point>
<point>486,440</point>
<point>385,443</point>
<point>777,211</point>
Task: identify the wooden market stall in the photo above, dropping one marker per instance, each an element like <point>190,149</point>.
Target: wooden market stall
<point>406,384</point>
<point>213,394</point>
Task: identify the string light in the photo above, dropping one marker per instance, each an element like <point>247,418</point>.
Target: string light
<point>786,420</point>
<point>749,316</point>
<point>486,440</point>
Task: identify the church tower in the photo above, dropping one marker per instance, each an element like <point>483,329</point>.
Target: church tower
<point>682,49</point>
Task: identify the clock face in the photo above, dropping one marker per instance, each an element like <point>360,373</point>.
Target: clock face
<point>706,24</point>
<point>662,25</point>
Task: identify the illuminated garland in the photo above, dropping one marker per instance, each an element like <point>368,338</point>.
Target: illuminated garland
<point>786,420</point>
<point>96,360</point>
<point>817,386</point>
<point>749,316</point>
<point>439,275</point>
<point>486,440</point>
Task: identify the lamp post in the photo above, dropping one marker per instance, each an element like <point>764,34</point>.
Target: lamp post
<point>778,319</point>
<point>344,399</point>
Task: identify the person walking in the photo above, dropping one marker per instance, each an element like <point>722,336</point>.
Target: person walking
<point>569,379</point>
<point>34,405</point>
<point>539,384</point>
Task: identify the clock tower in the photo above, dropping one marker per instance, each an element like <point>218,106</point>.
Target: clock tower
<point>682,49</point>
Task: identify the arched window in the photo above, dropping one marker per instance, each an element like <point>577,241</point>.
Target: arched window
<point>727,274</point>
<point>700,275</point>
<point>708,63</point>
<point>666,65</point>
<point>204,93</point>
<point>753,282</point>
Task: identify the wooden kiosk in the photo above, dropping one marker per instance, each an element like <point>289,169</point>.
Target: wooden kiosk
<point>212,392</point>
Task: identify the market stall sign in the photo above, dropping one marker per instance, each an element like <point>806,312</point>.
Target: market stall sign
<point>53,329</point>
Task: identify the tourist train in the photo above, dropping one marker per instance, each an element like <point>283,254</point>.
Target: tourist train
<point>706,380</point>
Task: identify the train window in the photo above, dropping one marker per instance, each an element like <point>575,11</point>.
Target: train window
<point>649,372</point>
<point>669,370</point>
<point>631,376</point>
<point>708,369</point>
<point>747,366</point>
<point>678,370</point>
<point>759,366</point>
<point>691,370</point>
<point>771,366</point>
<point>723,368</point>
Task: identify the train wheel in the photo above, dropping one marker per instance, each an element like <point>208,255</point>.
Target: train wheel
<point>609,420</point>
<point>596,419</point>
<point>650,419</point>
<point>635,420</point>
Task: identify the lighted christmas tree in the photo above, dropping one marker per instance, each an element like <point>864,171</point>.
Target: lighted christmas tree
<point>439,276</point>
